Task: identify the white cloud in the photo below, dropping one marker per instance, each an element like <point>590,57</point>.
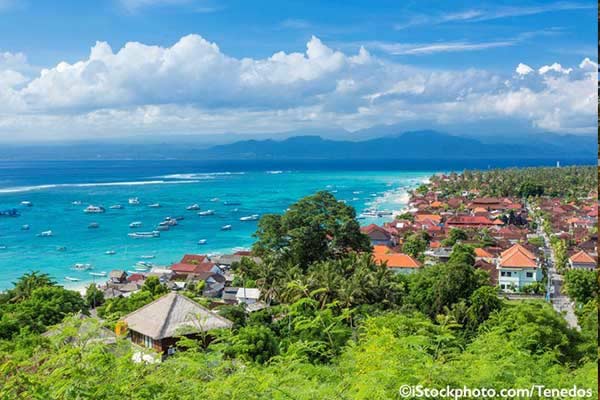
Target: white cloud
<point>556,67</point>
<point>193,87</point>
<point>432,48</point>
<point>588,65</point>
<point>523,69</point>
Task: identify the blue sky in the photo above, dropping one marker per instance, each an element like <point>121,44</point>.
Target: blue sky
<point>447,57</point>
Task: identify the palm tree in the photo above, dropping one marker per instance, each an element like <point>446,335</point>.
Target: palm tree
<point>27,283</point>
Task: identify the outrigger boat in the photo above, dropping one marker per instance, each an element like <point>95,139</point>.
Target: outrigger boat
<point>253,217</point>
<point>152,234</point>
<point>98,273</point>
<point>226,227</point>
<point>206,213</point>
<point>69,278</point>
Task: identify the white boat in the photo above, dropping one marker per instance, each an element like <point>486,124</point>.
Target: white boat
<point>155,205</point>
<point>110,252</point>
<point>25,227</point>
<point>214,199</point>
<point>98,273</point>
<point>135,224</point>
<point>193,207</point>
<point>202,241</point>
<point>144,264</point>
<point>69,278</point>
<point>26,203</point>
<point>355,199</point>
<point>147,257</point>
<point>91,209</point>
<point>384,213</point>
<point>168,222</point>
<point>76,203</point>
<point>2,247</point>
<point>134,201</point>
<point>232,203</point>
<point>82,267</point>
<point>206,213</point>
<point>45,234</point>
<point>357,192</point>
<point>116,207</point>
<point>93,225</point>
<point>152,234</point>
<point>253,217</point>
<point>226,227</point>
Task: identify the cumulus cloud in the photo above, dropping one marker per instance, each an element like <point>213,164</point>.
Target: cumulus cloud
<point>556,67</point>
<point>523,69</point>
<point>193,86</point>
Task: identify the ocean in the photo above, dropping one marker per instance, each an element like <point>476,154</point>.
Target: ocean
<point>59,191</point>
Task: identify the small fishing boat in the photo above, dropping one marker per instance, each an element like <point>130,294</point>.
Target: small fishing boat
<point>154,205</point>
<point>71,279</point>
<point>357,192</point>
<point>144,264</point>
<point>135,224</point>
<point>82,267</point>
<point>152,234</point>
<point>214,199</point>
<point>252,217</point>
<point>232,203</point>
<point>110,252</point>
<point>61,248</point>
<point>2,247</point>
<point>206,213</point>
<point>355,199</point>
<point>168,222</point>
<point>45,234</point>
<point>226,227</point>
<point>9,213</point>
<point>27,203</point>
<point>76,203</point>
<point>147,257</point>
<point>91,209</point>
<point>25,227</point>
<point>98,274</point>
<point>134,201</point>
<point>93,225</point>
<point>202,241</point>
<point>193,207</point>
<point>116,207</point>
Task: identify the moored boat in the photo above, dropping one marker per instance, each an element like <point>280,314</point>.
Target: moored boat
<point>232,203</point>
<point>27,203</point>
<point>93,225</point>
<point>206,213</point>
<point>82,267</point>
<point>147,257</point>
<point>46,233</point>
<point>202,241</point>
<point>25,227</point>
<point>154,205</point>
<point>91,209</point>
<point>116,207</point>
<point>71,279</point>
<point>135,224</point>
<point>98,273</point>
<point>253,217</point>
<point>110,252</point>
<point>226,227</point>
<point>134,201</point>
<point>193,207</point>
<point>152,234</point>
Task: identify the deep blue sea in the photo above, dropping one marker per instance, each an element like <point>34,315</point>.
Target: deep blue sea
<point>258,187</point>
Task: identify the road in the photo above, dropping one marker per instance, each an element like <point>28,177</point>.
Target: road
<point>561,302</point>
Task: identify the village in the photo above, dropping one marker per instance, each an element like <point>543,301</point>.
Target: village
<point>524,246</point>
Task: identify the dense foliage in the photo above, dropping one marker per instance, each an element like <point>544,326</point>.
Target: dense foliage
<point>339,325</point>
<point>565,182</point>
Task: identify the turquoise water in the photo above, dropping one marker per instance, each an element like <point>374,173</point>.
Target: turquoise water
<point>52,189</point>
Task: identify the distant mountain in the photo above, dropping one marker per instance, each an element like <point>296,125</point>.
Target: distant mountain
<point>415,145</point>
<point>408,145</point>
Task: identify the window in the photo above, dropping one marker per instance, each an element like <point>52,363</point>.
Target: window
<point>148,342</point>
<point>529,274</point>
<point>502,286</point>
<point>505,273</point>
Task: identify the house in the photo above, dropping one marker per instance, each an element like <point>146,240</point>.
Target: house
<point>159,324</point>
<point>117,276</point>
<point>469,221</point>
<point>229,294</point>
<point>582,260</point>
<point>397,262</point>
<point>517,267</point>
<point>378,235</point>
<point>193,264</point>
<point>247,295</point>
<point>483,254</point>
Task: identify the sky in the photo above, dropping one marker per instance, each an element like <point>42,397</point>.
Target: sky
<point>72,70</point>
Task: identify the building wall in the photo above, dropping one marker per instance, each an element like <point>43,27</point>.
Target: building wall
<point>518,277</point>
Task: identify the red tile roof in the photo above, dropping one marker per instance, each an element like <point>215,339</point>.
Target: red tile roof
<point>397,260</point>
<point>469,220</point>
<point>518,257</point>
<point>582,258</point>
<point>194,259</point>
